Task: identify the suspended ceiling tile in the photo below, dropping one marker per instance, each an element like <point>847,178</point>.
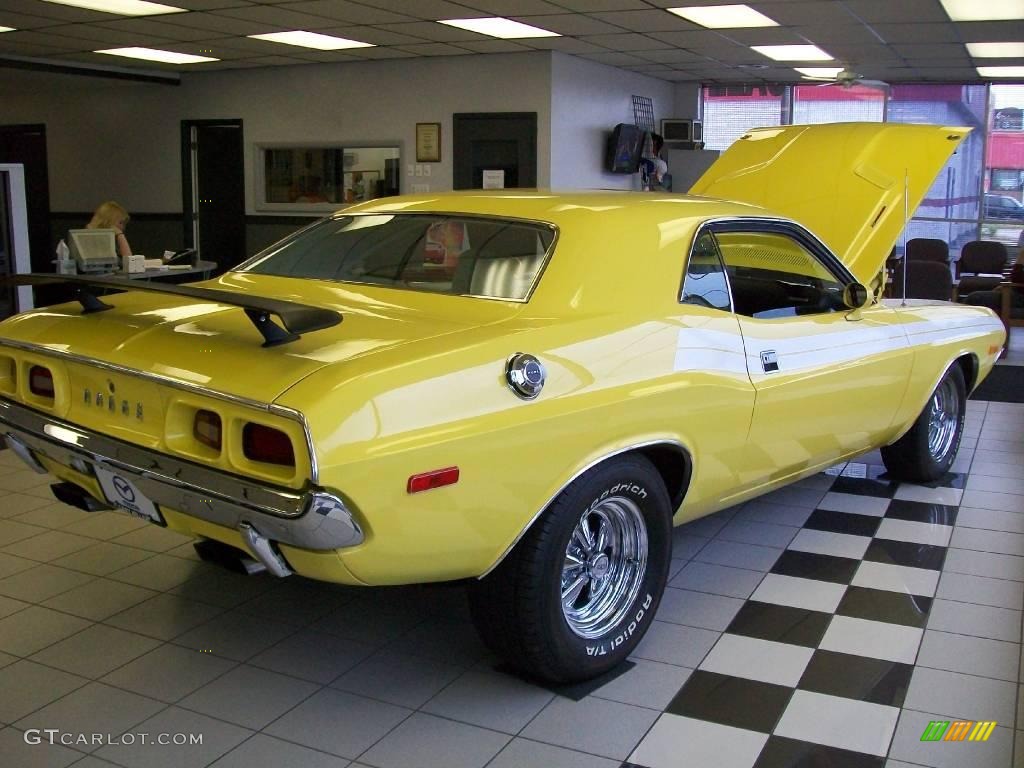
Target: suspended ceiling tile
<point>14,48</point>
<point>225,50</point>
<point>224,25</point>
<point>670,56</point>
<point>903,11</point>
<point>646,21</point>
<point>384,53</point>
<point>573,24</point>
<point>765,36</point>
<point>24,20</point>
<point>819,12</point>
<point>647,68</point>
<point>596,6</point>
<point>511,8</point>
<point>954,53</point>
<point>278,17</point>
<point>326,56</point>
<point>374,35</point>
<point>614,58</point>
<point>207,5</point>
<point>847,33</point>
<point>698,40</point>
<point>352,13</point>
<point>425,9</point>
<point>991,31</point>
<point>434,49</point>
<point>565,45</point>
<point>949,74</point>
<point>45,39</point>
<point>495,46</point>
<point>625,42</point>
<point>64,13</point>
<point>147,27</point>
<point>916,33</point>
<point>97,33</point>
<point>437,33</point>
<point>864,54</point>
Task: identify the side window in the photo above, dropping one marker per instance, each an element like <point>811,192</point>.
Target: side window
<point>705,284</point>
<point>772,275</point>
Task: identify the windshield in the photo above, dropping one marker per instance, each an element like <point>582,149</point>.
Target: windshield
<point>455,255</point>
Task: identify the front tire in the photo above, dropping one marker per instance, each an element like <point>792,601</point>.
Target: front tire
<point>928,450</point>
<point>577,593</point>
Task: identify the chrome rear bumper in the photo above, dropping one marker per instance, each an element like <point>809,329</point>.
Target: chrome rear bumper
<point>313,519</point>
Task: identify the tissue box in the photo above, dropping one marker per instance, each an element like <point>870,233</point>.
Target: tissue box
<point>136,263</point>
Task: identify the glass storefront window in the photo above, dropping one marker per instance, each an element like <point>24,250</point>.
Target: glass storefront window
<point>830,103</point>
<point>1003,205</point>
<point>730,111</point>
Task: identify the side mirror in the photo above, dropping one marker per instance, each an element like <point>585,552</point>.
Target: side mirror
<point>856,296</point>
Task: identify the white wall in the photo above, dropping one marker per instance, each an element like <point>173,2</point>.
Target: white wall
<point>687,101</point>
<point>587,101</point>
<point>118,139</point>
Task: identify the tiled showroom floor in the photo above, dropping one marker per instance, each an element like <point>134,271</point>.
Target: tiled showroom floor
<point>824,625</point>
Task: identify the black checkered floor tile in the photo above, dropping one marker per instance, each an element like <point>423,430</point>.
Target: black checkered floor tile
<point>814,668</point>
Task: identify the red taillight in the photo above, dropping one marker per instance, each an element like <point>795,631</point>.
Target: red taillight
<point>40,381</point>
<point>207,430</point>
<point>435,479</point>
<point>266,444</point>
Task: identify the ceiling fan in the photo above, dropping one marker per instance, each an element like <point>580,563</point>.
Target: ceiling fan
<point>847,78</point>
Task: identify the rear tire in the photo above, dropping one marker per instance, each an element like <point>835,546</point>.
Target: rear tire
<point>577,593</point>
<point>928,450</point>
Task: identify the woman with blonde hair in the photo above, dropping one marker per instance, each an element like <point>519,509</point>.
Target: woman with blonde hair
<point>111,215</point>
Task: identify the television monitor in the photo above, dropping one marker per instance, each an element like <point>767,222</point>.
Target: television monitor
<point>94,250</point>
<point>623,151</point>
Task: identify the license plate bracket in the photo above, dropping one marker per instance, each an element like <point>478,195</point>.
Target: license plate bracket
<point>126,496</point>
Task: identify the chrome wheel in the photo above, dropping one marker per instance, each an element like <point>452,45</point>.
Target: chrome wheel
<point>943,420</point>
<point>604,566</point>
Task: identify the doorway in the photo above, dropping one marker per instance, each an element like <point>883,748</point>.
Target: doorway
<point>213,190</point>
<point>494,141</point>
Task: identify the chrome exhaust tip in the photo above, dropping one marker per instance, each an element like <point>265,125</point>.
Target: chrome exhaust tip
<point>264,551</point>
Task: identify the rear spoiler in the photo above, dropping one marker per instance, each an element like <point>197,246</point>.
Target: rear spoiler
<point>295,318</point>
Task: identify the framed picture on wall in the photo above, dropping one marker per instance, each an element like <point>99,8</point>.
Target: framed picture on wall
<point>428,142</point>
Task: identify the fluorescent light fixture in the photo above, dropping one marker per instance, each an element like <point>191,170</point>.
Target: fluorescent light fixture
<point>792,52</point>
<point>1001,71</point>
<point>154,54</point>
<point>8,29</point>
<point>312,40</point>
<point>724,16</point>
<point>499,27</point>
<point>996,50</point>
<point>828,72</point>
<point>984,10</point>
<point>122,7</point>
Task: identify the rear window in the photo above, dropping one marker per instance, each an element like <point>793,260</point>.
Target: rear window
<point>459,256</point>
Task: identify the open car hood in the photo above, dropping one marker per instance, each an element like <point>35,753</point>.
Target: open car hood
<point>843,181</point>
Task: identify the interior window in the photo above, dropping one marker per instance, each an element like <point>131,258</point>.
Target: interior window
<point>705,283</point>
<point>772,275</point>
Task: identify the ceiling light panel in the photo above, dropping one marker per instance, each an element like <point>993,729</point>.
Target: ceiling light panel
<point>499,27</point>
<point>312,40</point>
<point>154,54</point>
<point>724,16</point>
<point>792,52</point>
<point>122,7</point>
<point>7,29</point>
<point>828,72</point>
<point>1001,72</point>
<point>984,10</point>
<point>996,50</point>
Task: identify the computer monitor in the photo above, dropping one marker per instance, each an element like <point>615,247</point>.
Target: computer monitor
<point>94,250</point>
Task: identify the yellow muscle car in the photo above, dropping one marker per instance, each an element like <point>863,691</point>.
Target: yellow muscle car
<point>524,390</point>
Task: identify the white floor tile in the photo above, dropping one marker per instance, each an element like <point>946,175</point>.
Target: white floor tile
<point>567,723</point>
<point>970,655</point>
<point>896,578</point>
<point>877,639</point>
<point>907,745</point>
<point>812,594</point>
<point>908,492</point>
<point>990,519</point>
<point>677,741</point>
<point>1008,502</point>
<point>966,697</point>
<point>851,502</point>
<point>829,543</point>
<point>977,620</point>
<point>984,564</point>
<point>964,588</point>
<point>918,533</point>
<point>755,659</point>
<point>999,542</point>
<point>837,722</point>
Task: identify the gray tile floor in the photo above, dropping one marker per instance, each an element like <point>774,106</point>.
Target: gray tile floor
<point>109,626</point>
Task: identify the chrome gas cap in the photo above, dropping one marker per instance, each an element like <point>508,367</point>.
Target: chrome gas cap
<point>525,375</point>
